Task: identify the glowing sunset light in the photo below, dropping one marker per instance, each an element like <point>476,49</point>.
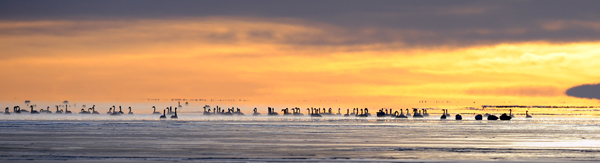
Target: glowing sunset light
<point>270,59</point>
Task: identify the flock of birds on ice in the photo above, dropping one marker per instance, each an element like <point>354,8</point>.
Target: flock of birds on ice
<point>312,112</point>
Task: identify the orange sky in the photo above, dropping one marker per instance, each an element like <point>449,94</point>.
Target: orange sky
<point>277,61</point>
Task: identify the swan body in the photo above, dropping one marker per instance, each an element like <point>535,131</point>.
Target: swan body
<point>94,110</point>
<point>6,111</point>
<point>120,111</point>
<point>58,111</point>
<point>425,114</point>
<point>401,115</point>
<point>492,118</point>
<point>21,111</point>
<point>479,117</point>
<point>84,112</point>
<point>443,114</point>
<point>526,114</point>
<point>164,116</point>
<point>380,113</point>
<point>174,116</point>
<point>272,112</point>
<point>458,117</point>
<point>505,117</point>
<point>115,113</point>
<point>34,111</point>
<point>417,114</point>
<point>130,111</point>
<point>67,109</point>
<point>47,111</point>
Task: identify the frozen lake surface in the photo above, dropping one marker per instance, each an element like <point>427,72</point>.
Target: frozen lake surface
<point>198,138</point>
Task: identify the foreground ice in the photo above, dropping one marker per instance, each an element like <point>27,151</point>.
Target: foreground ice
<point>197,138</point>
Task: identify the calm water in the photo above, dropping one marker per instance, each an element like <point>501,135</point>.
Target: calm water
<point>198,138</point>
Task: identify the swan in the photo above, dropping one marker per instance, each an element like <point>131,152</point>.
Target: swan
<point>458,117</point>
<point>425,114</point>
<point>254,114</point>
<point>22,111</point>
<point>315,113</point>
<point>34,111</point>
<point>132,112</point>
<point>67,109</point>
<point>272,112</point>
<point>506,117</point>
<point>94,110</point>
<point>362,113</point>
<point>239,112</point>
<point>339,109</point>
<point>297,112</point>
<point>380,113</point>
<point>286,111</point>
<point>15,110</point>
<point>206,110</point>
<point>479,117</point>
<point>120,111</point>
<point>110,110</point>
<point>164,116</point>
<point>393,114</point>
<point>47,111</point>
<point>6,111</point>
<point>58,111</point>
<point>492,117</point>
<point>417,114</point>
<point>443,114</point>
<point>84,112</point>
<point>526,114</point>
<point>174,116</point>
<point>407,113</point>
<point>155,112</point>
<point>115,113</point>
<point>401,115</point>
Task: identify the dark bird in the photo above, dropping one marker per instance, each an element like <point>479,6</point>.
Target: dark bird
<point>164,116</point>
<point>401,115</point>
<point>94,110</point>
<point>479,117</point>
<point>67,109</point>
<point>33,111</point>
<point>443,114</point>
<point>492,117</point>
<point>505,117</point>
<point>58,111</point>
<point>174,116</point>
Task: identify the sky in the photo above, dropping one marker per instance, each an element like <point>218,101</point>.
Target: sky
<point>330,53</point>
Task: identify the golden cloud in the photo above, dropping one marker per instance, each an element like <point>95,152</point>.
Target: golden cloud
<point>262,59</point>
